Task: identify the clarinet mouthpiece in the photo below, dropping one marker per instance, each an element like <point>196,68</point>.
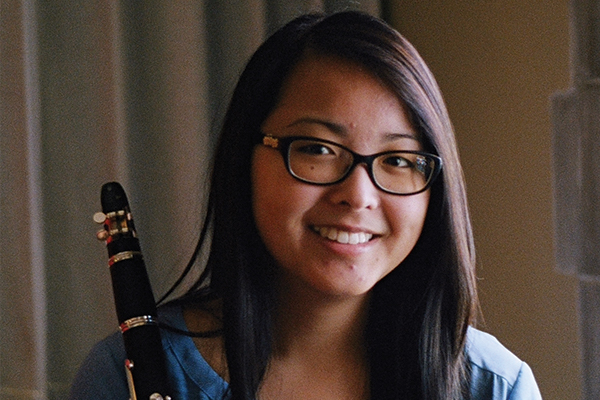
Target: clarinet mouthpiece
<point>113,198</point>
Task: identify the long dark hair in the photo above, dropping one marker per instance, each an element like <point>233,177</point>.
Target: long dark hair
<point>420,312</point>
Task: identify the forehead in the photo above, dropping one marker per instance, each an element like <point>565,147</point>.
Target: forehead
<point>314,74</point>
<point>341,97</point>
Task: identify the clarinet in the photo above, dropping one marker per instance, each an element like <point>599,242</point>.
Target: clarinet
<point>145,365</point>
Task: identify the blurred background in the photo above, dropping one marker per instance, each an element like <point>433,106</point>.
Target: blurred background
<point>94,91</point>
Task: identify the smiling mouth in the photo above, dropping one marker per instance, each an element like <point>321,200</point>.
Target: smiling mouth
<point>343,237</point>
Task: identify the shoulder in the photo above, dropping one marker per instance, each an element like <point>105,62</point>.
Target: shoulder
<point>102,374</point>
<point>190,374</point>
<point>496,373</point>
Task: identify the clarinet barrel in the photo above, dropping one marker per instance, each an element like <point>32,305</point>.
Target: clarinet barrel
<point>134,301</point>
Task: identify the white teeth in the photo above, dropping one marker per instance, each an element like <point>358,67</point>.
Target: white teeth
<point>329,233</point>
<point>343,236</point>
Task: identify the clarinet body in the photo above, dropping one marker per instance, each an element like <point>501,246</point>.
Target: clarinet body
<point>145,365</point>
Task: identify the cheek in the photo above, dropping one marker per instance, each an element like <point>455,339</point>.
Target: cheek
<point>264,198</point>
<point>276,201</point>
<point>268,212</point>
<point>408,216</point>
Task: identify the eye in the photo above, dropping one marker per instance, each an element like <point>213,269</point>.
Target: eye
<point>313,149</point>
<point>397,161</point>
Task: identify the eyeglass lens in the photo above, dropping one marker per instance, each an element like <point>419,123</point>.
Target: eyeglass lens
<point>398,172</point>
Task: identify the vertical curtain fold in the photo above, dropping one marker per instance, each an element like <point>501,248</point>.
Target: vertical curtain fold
<point>23,320</point>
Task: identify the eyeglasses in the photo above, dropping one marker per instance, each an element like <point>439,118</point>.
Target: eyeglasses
<point>321,162</point>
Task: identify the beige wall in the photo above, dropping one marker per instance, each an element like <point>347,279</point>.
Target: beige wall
<point>497,63</point>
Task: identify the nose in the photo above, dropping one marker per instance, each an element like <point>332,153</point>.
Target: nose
<point>356,190</point>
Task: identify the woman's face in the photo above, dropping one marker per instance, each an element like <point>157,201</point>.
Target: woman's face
<point>308,228</point>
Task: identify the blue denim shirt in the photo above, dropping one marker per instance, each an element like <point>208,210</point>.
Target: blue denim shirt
<point>496,373</point>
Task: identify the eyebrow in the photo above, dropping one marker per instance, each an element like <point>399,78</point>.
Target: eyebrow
<point>341,130</point>
<point>396,136</point>
<point>332,126</point>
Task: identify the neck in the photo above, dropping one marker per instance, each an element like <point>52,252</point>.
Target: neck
<point>328,325</point>
<point>319,349</point>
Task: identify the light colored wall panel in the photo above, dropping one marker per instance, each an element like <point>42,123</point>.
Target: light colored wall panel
<point>498,63</point>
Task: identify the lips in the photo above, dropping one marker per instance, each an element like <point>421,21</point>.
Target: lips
<point>343,237</point>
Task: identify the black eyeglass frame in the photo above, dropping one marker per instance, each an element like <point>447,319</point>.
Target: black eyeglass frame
<point>283,144</point>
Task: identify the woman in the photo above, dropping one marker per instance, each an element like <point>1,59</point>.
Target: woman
<point>341,264</point>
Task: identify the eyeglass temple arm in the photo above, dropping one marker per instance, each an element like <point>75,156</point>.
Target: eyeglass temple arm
<point>270,141</point>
